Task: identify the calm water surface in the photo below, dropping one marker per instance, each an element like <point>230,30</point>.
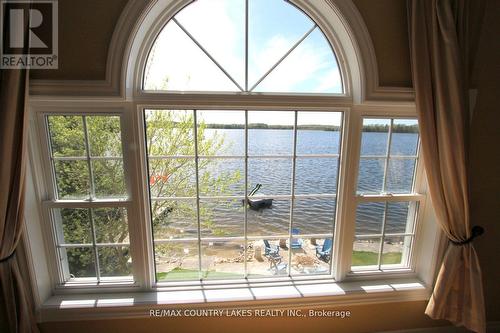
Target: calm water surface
<point>269,166</point>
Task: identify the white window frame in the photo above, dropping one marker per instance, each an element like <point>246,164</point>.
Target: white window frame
<point>415,281</point>
<point>140,226</point>
<point>246,158</point>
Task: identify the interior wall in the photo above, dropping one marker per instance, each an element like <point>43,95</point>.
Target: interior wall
<point>366,318</point>
<point>386,21</point>
<point>85,31</point>
<point>485,157</point>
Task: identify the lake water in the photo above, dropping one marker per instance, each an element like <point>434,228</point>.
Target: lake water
<point>268,166</point>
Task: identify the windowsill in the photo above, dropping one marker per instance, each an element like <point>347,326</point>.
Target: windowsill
<point>283,294</point>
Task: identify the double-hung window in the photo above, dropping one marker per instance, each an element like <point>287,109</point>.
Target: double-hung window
<point>89,214</point>
<point>387,205</point>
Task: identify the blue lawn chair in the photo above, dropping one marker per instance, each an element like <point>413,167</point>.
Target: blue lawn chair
<point>270,250</point>
<point>296,242</point>
<point>324,252</point>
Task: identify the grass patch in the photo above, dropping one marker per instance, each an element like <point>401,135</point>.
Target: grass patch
<point>365,258</point>
<point>191,274</point>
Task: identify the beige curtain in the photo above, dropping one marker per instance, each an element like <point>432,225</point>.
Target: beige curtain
<point>442,41</point>
<point>14,296</point>
<point>13,136</point>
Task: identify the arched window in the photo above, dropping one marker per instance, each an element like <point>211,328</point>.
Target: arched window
<point>242,148</point>
<point>242,46</point>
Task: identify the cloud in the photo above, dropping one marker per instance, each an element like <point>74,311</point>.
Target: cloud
<point>217,25</point>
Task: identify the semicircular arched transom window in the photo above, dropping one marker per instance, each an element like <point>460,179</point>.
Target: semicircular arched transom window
<point>242,46</point>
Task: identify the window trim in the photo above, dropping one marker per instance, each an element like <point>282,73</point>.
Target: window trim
<point>246,158</point>
<point>422,270</point>
<point>132,100</point>
<point>344,275</point>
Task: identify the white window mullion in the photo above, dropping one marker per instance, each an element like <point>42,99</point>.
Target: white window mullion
<point>346,213</point>
<point>135,169</point>
<point>198,219</point>
<point>89,161</point>
<point>387,156</point>
<point>292,202</point>
<point>94,246</point>
<point>245,198</point>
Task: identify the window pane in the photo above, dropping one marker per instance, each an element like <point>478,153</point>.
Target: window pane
<point>270,133</point>
<point>316,175</point>
<point>174,219</point>
<point>203,48</point>
<point>222,218</point>
<point>109,180</point>
<point>115,261</point>
<point>310,68</point>
<point>169,132</point>
<point>274,220</point>
<point>369,218</point>
<point>270,258</point>
<point>74,224</point>
<point>404,137</point>
<point>221,133</point>
<point>177,261</point>
<point>172,177</point>
<point>311,257</point>
<point>314,216</point>
<point>269,41</point>
<point>375,136</point>
<point>104,135</point>
<point>221,177</point>
<point>400,175</point>
<point>219,26</point>
<point>110,225</point>
<point>222,259</point>
<point>318,132</point>
<point>275,176</point>
<point>72,179</point>
<point>396,251</point>
<point>365,252</point>
<point>80,261</point>
<point>175,62</point>
<point>67,137</point>
<point>371,175</point>
<point>400,217</point>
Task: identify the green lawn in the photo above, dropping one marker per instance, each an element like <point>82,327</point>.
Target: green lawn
<point>359,258</point>
<point>362,258</point>
<point>191,274</point>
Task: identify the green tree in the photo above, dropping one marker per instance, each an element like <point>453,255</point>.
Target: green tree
<point>168,133</point>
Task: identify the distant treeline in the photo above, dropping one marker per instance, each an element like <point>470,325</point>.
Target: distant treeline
<point>266,126</point>
<point>397,128</point>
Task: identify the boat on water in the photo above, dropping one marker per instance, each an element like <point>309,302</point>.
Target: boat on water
<point>260,203</point>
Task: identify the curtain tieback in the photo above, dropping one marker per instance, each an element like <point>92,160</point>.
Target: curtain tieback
<point>8,257</point>
<point>475,232</point>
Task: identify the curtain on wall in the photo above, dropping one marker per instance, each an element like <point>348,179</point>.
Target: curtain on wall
<point>14,296</point>
<point>443,36</point>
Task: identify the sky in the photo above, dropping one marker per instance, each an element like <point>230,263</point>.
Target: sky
<point>287,118</point>
<point>219,26</point>
<point>270,117</point>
